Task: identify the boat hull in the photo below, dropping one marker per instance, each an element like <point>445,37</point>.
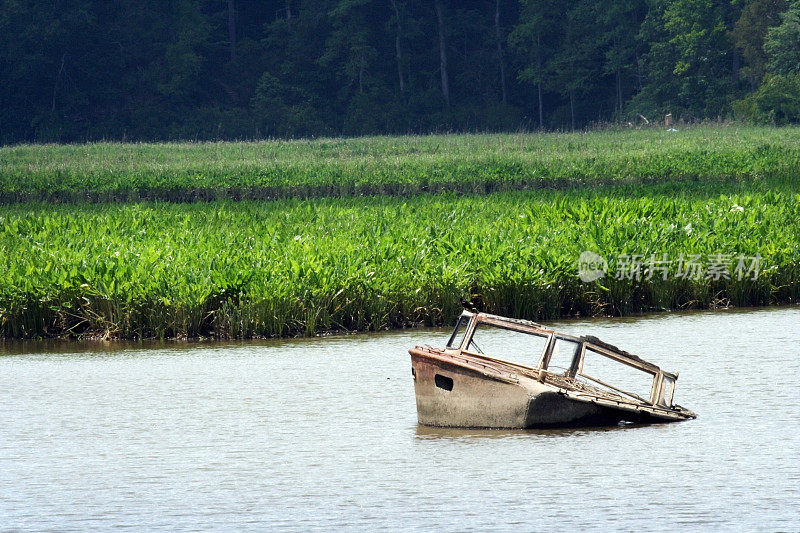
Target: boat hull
<point>471,393</point>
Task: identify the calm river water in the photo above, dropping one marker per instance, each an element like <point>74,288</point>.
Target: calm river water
<point>321,434</point>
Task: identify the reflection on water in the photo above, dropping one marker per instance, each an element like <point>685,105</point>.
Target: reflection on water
<point>428,432</point>
<point>322,434</point>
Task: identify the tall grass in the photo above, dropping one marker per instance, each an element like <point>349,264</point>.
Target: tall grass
<point>392,165</point>
<point>290,267</point>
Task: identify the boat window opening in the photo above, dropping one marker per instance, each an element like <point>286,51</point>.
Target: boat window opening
<point>605,373</point>
<point>564,351</point>
<point>457,338</point>
<point>667,390</point>
<point>510,345</point>
<point>473,346</point>
<point>443,382</point>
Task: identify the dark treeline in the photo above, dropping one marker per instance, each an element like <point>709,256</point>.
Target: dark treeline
<point>82,70</point>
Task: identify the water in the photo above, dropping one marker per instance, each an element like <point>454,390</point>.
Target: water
<point>321,433</point>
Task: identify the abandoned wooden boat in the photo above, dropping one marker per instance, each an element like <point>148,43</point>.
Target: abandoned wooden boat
<point>575,381</point>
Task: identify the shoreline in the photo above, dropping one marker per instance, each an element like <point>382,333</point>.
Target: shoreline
<point>99,340</point>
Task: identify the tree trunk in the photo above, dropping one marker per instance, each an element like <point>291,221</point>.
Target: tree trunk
<point>500,49</point>
<point>736,65</point>
<point>539,84</point>
<point>572,108</point>
<point>58,80</point>
<point>289,15</point>
<point>398,49</point>
<point>232,27</point>
<point>541,121</point>
<point>618,81</point>
<point>639,75</point>
<point>361,74</point>
<point>442,52</point>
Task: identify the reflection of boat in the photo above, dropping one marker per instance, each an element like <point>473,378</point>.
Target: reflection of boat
<point>450,433</point>
<point>577,381</point>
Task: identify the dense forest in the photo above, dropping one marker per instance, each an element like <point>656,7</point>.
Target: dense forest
<point>83,70</point>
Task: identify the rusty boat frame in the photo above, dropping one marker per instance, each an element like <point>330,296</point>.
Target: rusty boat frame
<point>459,386</point>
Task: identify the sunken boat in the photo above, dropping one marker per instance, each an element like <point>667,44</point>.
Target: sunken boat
<point>573,381</point>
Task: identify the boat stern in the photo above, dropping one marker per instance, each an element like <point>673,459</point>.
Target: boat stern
<point>453,392</point>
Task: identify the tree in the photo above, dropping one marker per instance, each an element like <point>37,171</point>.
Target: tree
<point>534,39</point>
<point>620,20</point>
<point>689,62</point>
<point>284,110</point>
<point>749,32</point>
<point>440,26</point>
<point>776,102</point>
<point>294,42</point>
<point>178,70</point>
<point>349,48</point>
<point>500,51</point>
<point>782,43</point>
<point>577,60</point>
<point>153,69</point>
<point>232,27</point>
<point>397,44</point>
<point>43,54</point>
<point>777,99</point>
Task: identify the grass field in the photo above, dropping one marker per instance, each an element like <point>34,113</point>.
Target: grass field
<point>392,165</point>
<point>289,267</point>
<point>288,243</point>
